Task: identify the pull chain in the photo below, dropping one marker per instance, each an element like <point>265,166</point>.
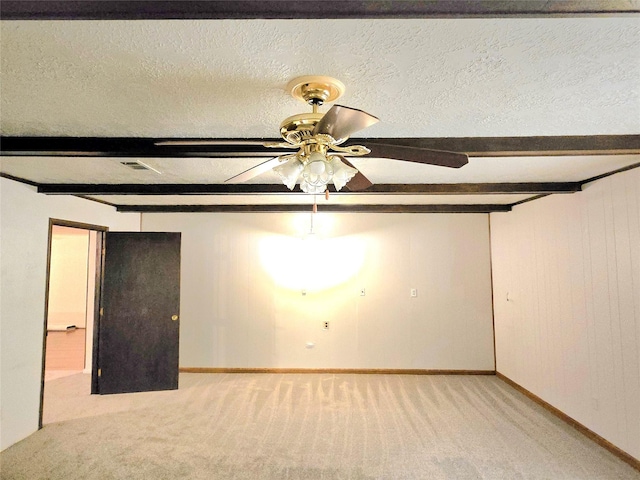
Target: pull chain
<point>313,212</point>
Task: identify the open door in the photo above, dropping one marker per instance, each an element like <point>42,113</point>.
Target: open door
<point>139,316</point>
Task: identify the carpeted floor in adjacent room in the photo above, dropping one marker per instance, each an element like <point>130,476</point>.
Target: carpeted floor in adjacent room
<point>311,426</point>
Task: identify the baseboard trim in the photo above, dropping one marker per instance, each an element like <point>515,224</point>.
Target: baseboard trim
<point>621,454</point>
<point>370,371</point>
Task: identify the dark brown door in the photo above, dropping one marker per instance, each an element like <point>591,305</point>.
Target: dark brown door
<point>139,326</point>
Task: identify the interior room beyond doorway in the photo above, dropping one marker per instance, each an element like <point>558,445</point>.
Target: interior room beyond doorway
<point>71,301</point>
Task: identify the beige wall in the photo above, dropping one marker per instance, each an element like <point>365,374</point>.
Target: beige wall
<point>68,277</point>
<point>243,276</point>
<point>570,332</point>
<point>24,226</point>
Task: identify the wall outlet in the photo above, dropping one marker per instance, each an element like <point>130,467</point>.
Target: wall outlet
<point>325,325</point>
<point>414,292</point>
<point>362,292</point>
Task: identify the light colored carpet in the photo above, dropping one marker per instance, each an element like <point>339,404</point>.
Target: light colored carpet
<point>312,426</point>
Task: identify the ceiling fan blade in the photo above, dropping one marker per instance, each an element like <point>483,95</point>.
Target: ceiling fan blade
<point>417,155</point>
<point>359,181</point>
<point>254,171</point>
<point>340,122</point>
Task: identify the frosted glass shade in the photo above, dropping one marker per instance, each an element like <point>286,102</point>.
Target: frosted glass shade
<point>341,173</point>
<point>289,172</point>
<point>308,188</point>
<point>317,172</point>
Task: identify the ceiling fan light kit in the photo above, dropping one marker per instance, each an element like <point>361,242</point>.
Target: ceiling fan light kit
<point>315,134</point>
<point>320,158</point>
<point>315,172</point>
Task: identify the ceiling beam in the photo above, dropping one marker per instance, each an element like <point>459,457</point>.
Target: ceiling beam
<point>261,189</point>
<point>525,146</point>
<point>323,208</point>
<point>296,9</point>
<point>133,147</point>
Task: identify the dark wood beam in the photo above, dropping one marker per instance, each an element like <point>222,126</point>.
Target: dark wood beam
<point>525,146</point>
<point>323,208</point>
<point>18,179</point>
<point>296,9</point>
<point>470,188</point>
<point>608,174</point>
<point>261,189</point>
<point>132,147</point>
<point>472,146</point>
<point>530,199</point>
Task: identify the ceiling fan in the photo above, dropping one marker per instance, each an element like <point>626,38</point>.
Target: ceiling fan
<point>317,138</point>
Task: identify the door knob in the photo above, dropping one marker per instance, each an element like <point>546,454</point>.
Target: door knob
<point>174,317</point>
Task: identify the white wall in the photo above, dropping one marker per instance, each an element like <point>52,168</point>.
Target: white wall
<point>242,277</point>
<point>24,222</point>
<point>571,330</point>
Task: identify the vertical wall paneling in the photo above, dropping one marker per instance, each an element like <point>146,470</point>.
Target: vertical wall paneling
<point>243,278</point>
<point>570,332</point>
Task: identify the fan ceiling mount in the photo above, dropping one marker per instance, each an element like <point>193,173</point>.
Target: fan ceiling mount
<point>317,137</point>
<point>313,90</point>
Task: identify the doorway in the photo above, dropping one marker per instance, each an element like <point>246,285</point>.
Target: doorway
<point>74,269</point>
<point>131,313</point>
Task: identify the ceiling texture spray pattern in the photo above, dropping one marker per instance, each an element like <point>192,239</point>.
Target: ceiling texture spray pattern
<point>436,78</point>
<point>424,78</point>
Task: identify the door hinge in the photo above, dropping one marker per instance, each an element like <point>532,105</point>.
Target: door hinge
<point>101,311</point>
<point>99,372</point>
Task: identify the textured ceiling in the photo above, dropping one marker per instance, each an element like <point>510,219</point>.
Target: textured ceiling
<point>484,77</point>
<point>226,78</point>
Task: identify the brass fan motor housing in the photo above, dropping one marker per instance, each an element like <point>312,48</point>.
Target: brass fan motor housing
<point>298,128</point>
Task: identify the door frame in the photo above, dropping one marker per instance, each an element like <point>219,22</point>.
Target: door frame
<point>100,231</point>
